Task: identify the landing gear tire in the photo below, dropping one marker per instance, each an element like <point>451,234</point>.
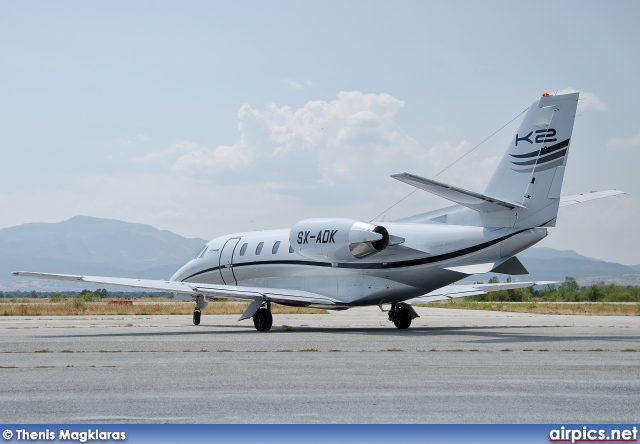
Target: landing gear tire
<point>263,320</point>
<point>196,317</point>
<point>402,318</point>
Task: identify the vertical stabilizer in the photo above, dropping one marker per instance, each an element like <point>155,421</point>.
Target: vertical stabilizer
<point>531,171</point>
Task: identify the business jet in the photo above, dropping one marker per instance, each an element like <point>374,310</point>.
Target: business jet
<point>336,264</point>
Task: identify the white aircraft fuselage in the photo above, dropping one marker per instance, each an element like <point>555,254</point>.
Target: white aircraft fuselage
<point>421,264</point>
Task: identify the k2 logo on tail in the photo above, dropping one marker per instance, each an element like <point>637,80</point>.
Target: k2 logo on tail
<point>542,136</point>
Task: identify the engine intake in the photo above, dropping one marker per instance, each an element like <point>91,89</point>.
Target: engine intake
<point>337,239</point>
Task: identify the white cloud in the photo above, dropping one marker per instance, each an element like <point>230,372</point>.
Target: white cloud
<point>325,158</point>
<point>341,147</point>
<point>588,101</point>
<point>632,141</point>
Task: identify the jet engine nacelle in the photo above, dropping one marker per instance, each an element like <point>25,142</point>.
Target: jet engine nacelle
<point>337,239</point>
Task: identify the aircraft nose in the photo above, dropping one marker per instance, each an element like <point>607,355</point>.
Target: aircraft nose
<point>182,273</point>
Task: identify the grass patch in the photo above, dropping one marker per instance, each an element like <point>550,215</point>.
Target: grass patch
<point>455,350</point>
<point>150,307</point>
<point>204,350</point>
<point>394,350</point>
<point>596,350</point>
<point>285,351</point>
<point>129,325</point>
<point>629,350</point>
<point>66,351</point>
<point>44,350</point>
<point>224,350</point>
<point>548,308</point>
<point>307,350</point>
<point>335,351</point>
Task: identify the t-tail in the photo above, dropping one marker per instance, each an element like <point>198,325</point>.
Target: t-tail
<point>531,171</point>
<point>525,188</point>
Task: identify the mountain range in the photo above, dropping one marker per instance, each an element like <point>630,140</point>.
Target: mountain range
<point>89,245</point>
<point>106,247</point>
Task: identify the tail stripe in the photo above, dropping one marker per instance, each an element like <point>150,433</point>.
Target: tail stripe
<point>539,168</point>
<point>545,150</point>
<point>542,160</point>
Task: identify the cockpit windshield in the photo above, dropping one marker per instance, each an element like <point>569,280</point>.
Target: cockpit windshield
<point>201,251</point>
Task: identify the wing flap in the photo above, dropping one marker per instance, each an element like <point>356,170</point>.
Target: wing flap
<point>475,201</point>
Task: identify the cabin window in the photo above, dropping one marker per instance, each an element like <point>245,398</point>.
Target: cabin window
<point>274,250</point>
<point>243,249</point>
<point>290,249</point>
<point>200,251</point>
<point>203,252</point>
<point>259,248</point>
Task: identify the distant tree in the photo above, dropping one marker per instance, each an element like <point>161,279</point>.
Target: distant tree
<point>595,293</point>
<point>568,290</point>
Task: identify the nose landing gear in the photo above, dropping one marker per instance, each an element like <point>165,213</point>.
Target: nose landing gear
<point>201,303</point>
<point>196,317</point>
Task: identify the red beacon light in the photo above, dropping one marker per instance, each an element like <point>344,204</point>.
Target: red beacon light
<point>545,95</point>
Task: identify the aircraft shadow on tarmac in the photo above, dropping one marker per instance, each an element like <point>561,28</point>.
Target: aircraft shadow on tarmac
<point>477,334</point>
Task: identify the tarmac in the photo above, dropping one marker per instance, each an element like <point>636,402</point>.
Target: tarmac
<point>451,366</point>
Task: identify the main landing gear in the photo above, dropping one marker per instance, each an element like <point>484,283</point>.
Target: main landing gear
<point>401,315</point>
<point>262,319</point>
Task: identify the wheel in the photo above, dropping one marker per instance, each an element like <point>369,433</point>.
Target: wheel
<point>263,320</point>
<point>196,317</point>
<point>403,318</point>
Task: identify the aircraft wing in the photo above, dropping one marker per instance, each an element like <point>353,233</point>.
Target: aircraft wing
<point>579,198</point>
<point>469,199</point>
<point>285,297</point>
<point>462,291</point>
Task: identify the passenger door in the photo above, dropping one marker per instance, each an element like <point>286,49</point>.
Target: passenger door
<point>226,261</point>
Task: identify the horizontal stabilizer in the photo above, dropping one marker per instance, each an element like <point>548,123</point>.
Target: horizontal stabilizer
<point>462,291</point>
<point>579,198</point>
<point>475,201</point>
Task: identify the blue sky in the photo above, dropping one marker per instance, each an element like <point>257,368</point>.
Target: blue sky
<point>206,118</point>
